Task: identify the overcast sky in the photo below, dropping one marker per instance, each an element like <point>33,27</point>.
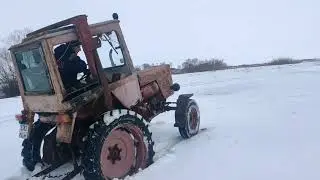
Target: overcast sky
<point>246,31</point>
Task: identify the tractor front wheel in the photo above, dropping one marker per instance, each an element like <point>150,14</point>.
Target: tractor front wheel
<point>187,117</point>
<point>116,146</point>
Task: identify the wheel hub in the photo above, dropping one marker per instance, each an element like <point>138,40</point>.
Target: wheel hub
<point>114,154</point>
<point>123,152</point>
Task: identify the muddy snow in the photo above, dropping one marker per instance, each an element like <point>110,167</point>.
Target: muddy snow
<point>262,123</point>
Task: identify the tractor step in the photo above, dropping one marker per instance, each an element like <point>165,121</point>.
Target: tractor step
<point>49,169</point>
<point>68,176</point>
<point>73,173</point>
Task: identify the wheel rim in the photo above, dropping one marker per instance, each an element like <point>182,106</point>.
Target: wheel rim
<point>193,119</point>
<point>123,152</point>
<point>140,147</point>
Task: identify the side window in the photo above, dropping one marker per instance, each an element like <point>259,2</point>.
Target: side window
<point>33,70</point>
<point>110,52</point>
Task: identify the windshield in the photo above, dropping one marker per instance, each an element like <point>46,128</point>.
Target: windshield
<point>33,70</point>
<point>110,52</point>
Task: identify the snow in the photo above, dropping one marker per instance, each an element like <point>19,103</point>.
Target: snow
<point>10,143</point>
<point>262,124</point>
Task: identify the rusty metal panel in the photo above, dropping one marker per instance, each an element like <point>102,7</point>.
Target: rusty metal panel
<point>160,74</point>
<point>92,109</point>
<point>127,90</point>
<point>103,27</point>
<point>65,129</point>
<point>45,103</point>
<point>85,37</point>
<point>71,36</point>
<point>150,90</point>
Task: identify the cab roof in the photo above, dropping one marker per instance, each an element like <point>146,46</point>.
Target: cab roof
<point>58,28</point>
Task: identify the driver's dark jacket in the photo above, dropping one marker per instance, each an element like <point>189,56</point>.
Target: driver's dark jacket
<point>70,70</point>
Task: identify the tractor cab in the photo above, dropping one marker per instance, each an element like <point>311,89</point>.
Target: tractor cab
<point>70,62</point>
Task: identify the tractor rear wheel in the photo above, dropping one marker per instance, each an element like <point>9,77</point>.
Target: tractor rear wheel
<point>187,117</point>
<point>117,146</point>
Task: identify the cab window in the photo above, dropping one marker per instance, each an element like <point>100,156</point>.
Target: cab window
<point>110,52</point>
<point>33,70</point>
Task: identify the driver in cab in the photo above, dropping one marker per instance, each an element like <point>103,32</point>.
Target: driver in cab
<point>70,64</point>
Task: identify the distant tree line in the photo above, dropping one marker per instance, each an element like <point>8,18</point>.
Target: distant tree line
<point>277,61</point>
<point>191,65</point>
<point>196,65</point>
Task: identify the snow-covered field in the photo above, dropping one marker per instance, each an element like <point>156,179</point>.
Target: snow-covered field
<point>262,124</point>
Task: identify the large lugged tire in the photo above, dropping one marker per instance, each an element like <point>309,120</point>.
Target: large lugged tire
<point>187,117</point>
<point>116,146</point>
<point>31,146</point>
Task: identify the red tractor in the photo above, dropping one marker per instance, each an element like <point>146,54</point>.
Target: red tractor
<point>93,111</point>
